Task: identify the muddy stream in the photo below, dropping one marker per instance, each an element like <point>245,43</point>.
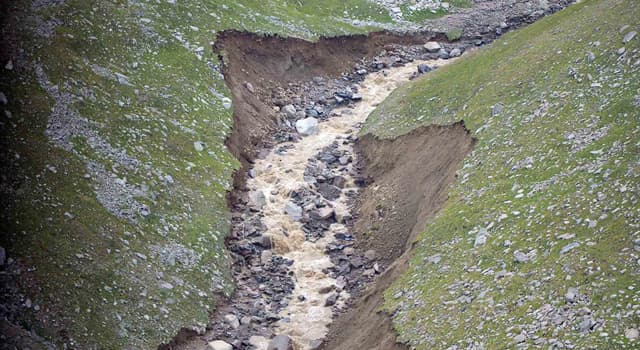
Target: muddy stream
<point>306,319</point>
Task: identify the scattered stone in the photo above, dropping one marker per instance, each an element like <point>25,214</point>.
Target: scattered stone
<point>455,52</point>
<point>331,300</point>
<point>481,238</point>
<point>9,65</point>
<point>591,56</point>
<point>496,110</point>
<point>521,257</point>
<point>289,111</point>
<point>520,338</point>
<point>219,345</point>
<point>324,213</point>
<point>571,295</point>
<point>3,98</point>
<point>199,146</point>
<point>432,46</point>
<point>257,199</point>
<point>434,259</point>
<point>569,247</point>
<point>280,342</point>
<point>294,211</point>
<point>423,68</point>
<point>629,36</point>
<point>370,255</point>
<point>632,334</point>
<point>123,79</point>
<point>250,87</point>
<point>307,126</point>
<point>232,320</point>
<point>265,256</point>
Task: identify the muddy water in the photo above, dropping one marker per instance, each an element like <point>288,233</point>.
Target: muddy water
<point>282,172</point>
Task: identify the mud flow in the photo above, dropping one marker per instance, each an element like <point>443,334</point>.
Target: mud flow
<point>282,172</point>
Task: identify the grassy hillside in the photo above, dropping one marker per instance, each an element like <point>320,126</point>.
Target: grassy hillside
<point>113,191</point>
<point>539,242</point>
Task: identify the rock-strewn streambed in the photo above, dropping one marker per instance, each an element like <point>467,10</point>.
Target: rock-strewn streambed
<point>298,211</point>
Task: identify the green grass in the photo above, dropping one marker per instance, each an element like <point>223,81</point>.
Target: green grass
<point>529,205</point>
<point>109,297</point>
<point>422,15</point>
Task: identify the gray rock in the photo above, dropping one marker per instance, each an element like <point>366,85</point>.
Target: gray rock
<point>219,345</point>
<point>123,79</point>
<point>315,344</point>
<point>370,255</point>
<point>569,247</point>
<point>520,338</point>
<point>265,256</point>
<point>257,199</point>
<point>331,300</point>
<point>250,87</point>
<point>496,110</point>
<point>232,320</point>
<point>344,160</point>
<point>571,295</point>
<point>455,52</point>
<point>632,334</point>
<point>586,324</point>
<point>521,257</point>
<point>434,259</point>
<point>629,36</point>
<point>294,211</point>
<point>289,111</point>
<point>591,56</point>
<point>307,126</point>
<point>3,98</point>
<point>280,342</point>
<point>432,46</point>
<point>324,213</point>
<point>443,54</point>
<point>199,146</point>
<point>423,68</point>
<point>481,238</point>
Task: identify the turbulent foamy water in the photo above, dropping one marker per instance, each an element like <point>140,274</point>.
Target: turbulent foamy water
<point>279,174</point>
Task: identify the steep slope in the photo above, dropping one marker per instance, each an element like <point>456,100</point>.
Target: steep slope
<point>538,243</point>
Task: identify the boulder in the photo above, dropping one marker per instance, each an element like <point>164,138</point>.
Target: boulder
<point>294,211</point>
<point>289,111</point>
<point>432,46</point>
<point>219,345</point>
<point>280,342</point>
<point>257,199</point>
<point>307,126</point>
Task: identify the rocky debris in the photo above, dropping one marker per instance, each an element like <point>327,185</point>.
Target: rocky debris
<point>219,345</point>
<point>280,342</point>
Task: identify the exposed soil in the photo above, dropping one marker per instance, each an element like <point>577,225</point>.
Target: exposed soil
<point>408,179</point>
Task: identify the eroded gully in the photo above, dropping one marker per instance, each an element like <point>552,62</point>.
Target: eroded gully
<point>306,317</point>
